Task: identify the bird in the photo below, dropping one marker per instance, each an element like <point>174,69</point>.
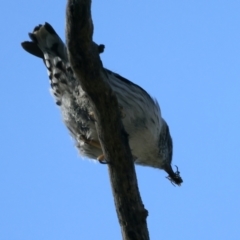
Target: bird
<point>149,136</point>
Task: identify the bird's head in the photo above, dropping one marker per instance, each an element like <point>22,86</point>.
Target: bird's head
<point>165,145</point>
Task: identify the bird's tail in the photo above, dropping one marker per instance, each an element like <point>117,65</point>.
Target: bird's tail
<point>45,41</point>
<point>46,44</point>
<point>65,88</point>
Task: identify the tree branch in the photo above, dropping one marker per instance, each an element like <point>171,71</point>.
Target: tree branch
<point>87,66</point>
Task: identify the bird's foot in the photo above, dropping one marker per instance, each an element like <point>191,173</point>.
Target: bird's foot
<point>102,159</point>
<point>93,143</point>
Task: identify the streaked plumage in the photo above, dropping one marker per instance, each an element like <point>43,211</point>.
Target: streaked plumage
<point>149,135</point>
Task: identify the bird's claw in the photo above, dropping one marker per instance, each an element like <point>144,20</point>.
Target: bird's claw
<point>102,159</point>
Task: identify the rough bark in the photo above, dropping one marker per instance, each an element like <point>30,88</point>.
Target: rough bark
<point>87,66</point>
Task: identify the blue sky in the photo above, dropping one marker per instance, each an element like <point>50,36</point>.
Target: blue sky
<point>186,55</point>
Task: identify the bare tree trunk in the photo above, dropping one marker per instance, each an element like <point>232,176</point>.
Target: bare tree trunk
<point>87,66</point>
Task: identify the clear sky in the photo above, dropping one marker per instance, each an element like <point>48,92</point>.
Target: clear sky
<point>184,53</point>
